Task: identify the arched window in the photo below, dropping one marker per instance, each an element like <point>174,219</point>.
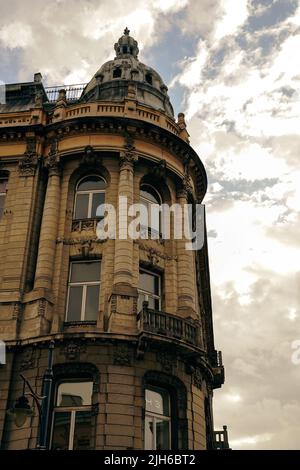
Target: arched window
<point>90,194</point>
<point>72,416</point>
<point>148,78</point>
<point>151,219</point>
<point>117,72</point>
<point>3,189</point>
<point>157,419</point>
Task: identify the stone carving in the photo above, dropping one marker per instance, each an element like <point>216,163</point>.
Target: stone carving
<point>154,254</point>
<point>159,170</point>
<point>73,350</point>
<point>42,307</point>
<point>166,360</point>
<point>128,157</point>
<point>28,164</point>
<point>90,159</point>
<point>122,356</point>
<point>53,161</point>
<point>28,360</point>
<point>197,378</point>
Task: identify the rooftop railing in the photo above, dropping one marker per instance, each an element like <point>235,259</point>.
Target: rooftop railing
<point>73,92</point>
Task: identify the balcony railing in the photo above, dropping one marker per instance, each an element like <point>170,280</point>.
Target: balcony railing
<point>73,92</point>
<point>171,326</point>
<point>85,225</point>
<point>221,439</point>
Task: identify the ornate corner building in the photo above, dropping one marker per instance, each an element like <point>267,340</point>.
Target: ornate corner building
<point>135,364</point>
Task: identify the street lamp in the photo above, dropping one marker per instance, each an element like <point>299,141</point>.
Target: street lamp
<point>22,410</point>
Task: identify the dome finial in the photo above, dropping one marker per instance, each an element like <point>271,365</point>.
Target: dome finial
<point>126,31</point>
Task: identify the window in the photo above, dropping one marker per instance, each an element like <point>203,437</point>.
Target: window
<point>83,291</point>
<point>90,194</point>
<point>72,416</point>
<point>157,419</point>
<point>148,78</point>
<point>124,48</point>
<point>117,73</point>
<point>151,220</point>
<point>149,290</point>
<point>3,186</point>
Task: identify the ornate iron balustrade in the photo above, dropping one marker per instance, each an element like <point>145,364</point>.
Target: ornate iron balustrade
<point>166,324</point>
<point>73,92</point>
<point>85,225</point>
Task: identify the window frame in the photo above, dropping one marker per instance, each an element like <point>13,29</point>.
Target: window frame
<point>69,409</point>
<point>4,193</point>
<point>149,203</point>
<point>85,285</point>
<point>91,193</point>
<point>158,417</point>
<point>149,294</point>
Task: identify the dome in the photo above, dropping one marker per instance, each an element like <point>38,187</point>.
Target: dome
<point>111,81</point>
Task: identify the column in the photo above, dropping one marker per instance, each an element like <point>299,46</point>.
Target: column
<point>185,270</point>
<point>47,243</point>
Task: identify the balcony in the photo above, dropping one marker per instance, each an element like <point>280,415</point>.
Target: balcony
<point>221,439</point>
<point>85,225</point>
<point>218,369</point>
<point>165,326</point>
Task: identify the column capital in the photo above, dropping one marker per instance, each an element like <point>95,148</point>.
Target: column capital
<point>127,160</point>
<point>53,160</point>
<point>29,162</point>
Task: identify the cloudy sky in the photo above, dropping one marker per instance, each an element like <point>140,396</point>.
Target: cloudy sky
<point>233,67</point>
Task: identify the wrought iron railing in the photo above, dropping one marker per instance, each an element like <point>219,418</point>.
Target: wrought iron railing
<point>162,323</point>
<point>81,225</point>
<point>73,92</point>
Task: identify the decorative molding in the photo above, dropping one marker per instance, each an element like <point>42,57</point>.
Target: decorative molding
<point>53,161</point>
<point>78,241</point>
<point>159,170</point>
<point>197,378</point>
<point>90,159</point>
<point>128,157</point>
<point>42,307</point>
<point>122,356</point>
<point>72,350</point>
<point>28,164</point>
<point>28,360</point>
<point>154,254</point>
<point>167,361</point>
<point>78,369</point>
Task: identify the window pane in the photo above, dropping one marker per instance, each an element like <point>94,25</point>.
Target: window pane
<point>92,303</point>
<point>98,199</point>
<point>158,401</point>
<point>74,394</point>
<point>148,282</point>
<point>75,302</point>
<point>149,194</point>
<point>149,434</point>
<point>162,435</point>
<point>85,272</point>
<point>91,183</point>
<point>61,431</point>
<point>82,204</point>
<point>82,432</point>
<point>3,185</point>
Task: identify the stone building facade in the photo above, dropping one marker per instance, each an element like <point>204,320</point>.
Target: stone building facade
<point>134,360</point>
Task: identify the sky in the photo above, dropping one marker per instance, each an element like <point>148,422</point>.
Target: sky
<point>233,68</point>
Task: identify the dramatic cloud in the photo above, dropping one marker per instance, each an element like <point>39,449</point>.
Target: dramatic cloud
<point>233,68</point>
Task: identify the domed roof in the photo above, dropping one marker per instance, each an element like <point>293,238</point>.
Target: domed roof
<point>111,81</point>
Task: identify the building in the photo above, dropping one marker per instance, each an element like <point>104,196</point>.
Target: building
<point>134,358</point>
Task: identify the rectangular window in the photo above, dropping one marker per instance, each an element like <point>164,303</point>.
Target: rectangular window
<point>157,419</point>
<point>83,291</point>
<point>149,290</point>
<point>72,417</point>
<point>3,187</point>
